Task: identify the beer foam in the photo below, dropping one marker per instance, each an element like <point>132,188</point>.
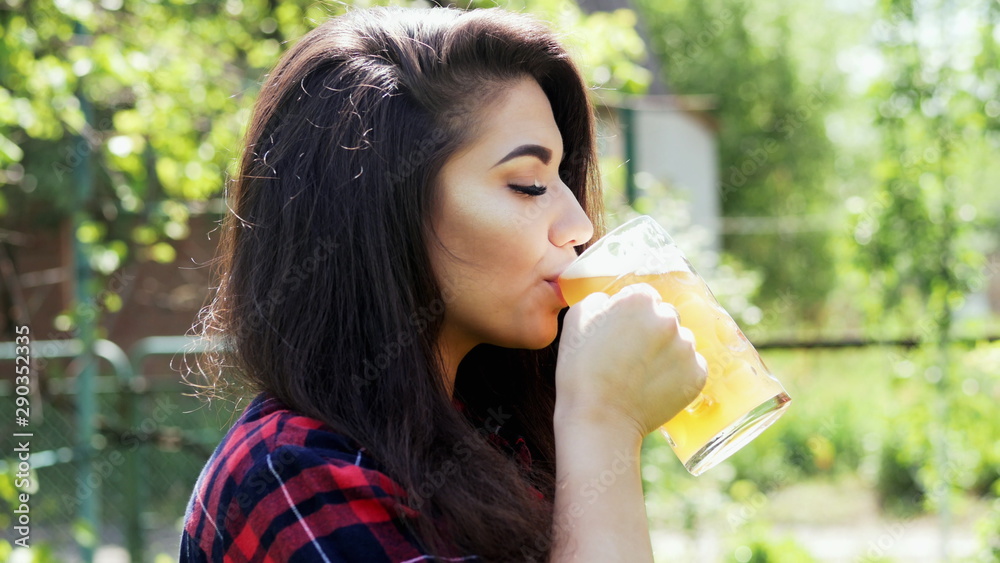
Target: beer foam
<point>617,258</point>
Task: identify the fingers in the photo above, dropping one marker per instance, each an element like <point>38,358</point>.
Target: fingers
<point>637,289</point>
<point>638,300</point>
<point>639,292</point>
<point>669,312</point>
<point>686,335</point>
<point>701,377</point>
<point>641,297</point>
<point>595,300</point>
<point>702,362</point>
<point>591,306</point>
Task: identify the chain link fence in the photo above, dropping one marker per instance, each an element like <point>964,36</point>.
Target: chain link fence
<point>149,441</point>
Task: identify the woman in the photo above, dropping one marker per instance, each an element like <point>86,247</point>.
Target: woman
<point>413,183</point>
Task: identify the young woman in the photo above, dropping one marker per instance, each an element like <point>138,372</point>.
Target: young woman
<point>413,183</point>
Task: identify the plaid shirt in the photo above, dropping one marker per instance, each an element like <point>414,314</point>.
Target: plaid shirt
<point>285,487</point>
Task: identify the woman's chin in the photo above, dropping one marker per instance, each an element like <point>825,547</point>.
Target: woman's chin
<point>541,338</point>
<point>529,335</point>
<point>523,341</point>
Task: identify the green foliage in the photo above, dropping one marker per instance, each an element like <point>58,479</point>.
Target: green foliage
<point>757,544</point>
<point>919,237</point>
<point>154,96</point>
<point>863,419</point>
<point>150,95</point>
<point>39,551</point>
<point>775,159</point>
<point>921,248</point>
<point>606,48</point>
<point>989,530</point>
<point>899,490</point>
<point>604,45</point>
<point>830,424</point>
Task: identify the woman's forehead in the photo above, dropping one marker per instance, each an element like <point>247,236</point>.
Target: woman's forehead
<point>521,117</point>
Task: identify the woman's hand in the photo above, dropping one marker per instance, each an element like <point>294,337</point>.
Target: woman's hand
<point>625,362</point>
<point>625,367</point>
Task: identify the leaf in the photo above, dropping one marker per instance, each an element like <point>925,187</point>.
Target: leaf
<point>162,252</point>
<point>9,150</point>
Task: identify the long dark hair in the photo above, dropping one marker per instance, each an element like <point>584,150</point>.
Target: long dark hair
<point>326,298</point>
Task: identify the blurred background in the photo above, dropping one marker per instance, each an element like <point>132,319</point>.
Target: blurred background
<point>830,167</point>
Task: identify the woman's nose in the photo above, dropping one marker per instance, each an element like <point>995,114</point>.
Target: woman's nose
<point>571,225</point>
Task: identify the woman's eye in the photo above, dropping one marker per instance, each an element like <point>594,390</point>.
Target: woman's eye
<point>533,190</point>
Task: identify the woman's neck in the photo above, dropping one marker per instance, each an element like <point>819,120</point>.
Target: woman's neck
<point>452,348</point>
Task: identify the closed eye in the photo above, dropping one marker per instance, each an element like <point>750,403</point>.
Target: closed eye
<point>532,190</point>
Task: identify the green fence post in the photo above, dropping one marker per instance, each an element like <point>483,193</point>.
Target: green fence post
<point>627,115</point>
<point>86,401</point>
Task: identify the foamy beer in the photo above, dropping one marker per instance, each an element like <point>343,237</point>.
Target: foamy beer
<point>741,398</point>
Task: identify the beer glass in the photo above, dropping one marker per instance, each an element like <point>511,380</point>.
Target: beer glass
<point>740,398</point>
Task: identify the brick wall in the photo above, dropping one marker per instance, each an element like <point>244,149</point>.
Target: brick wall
<point>157,299</point>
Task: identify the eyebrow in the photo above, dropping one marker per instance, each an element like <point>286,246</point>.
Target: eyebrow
<point>537,151</point>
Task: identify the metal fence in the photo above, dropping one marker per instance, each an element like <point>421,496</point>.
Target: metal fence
<point>127,475</point>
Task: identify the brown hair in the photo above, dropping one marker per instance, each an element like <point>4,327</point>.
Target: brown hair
<point>326,297</point>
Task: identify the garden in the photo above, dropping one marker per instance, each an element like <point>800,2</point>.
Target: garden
<point>856,243</point>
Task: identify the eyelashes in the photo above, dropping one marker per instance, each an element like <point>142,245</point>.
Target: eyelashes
<point>535,189</point>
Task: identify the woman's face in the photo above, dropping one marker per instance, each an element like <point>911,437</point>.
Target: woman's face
<point>507,227</point>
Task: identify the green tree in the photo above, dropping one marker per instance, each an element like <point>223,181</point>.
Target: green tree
<point>775,158</point>
<point>919,232</point>
<point>155,96</point>
<point>937,114</point>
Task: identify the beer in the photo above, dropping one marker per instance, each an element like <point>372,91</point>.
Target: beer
<point>741,398</point>
<point>738,381</point>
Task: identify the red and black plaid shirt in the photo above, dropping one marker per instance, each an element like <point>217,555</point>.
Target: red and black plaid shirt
<point>285,487</point>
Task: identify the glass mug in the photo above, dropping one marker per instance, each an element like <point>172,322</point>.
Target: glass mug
<point>740,398</point>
